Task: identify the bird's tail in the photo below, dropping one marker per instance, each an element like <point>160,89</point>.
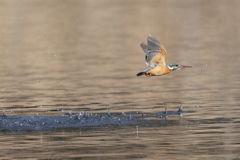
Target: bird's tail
<point>144,71</point>
<point>140,73</point>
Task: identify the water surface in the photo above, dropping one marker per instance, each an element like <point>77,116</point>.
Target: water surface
<point>84,56</point>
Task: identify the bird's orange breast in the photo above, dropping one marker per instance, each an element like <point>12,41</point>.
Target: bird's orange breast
<point>157,71</point>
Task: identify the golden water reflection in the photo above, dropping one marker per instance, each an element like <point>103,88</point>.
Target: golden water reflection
<point>84,55</point>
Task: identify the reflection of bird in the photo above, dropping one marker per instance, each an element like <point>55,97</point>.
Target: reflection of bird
<point>155,59</point>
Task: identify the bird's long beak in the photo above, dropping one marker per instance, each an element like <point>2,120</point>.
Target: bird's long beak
<point>182,66</point>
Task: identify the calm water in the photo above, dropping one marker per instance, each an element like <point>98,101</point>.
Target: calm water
<point>84,55</point>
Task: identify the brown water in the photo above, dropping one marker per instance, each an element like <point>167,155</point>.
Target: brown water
<point>84,55</point>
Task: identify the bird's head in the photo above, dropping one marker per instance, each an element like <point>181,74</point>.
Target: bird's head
<point>175,66</point>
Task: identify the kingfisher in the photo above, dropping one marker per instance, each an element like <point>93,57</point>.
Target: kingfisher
<point>155,59</point>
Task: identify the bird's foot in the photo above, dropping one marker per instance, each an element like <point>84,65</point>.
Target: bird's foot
<point>148,74</point>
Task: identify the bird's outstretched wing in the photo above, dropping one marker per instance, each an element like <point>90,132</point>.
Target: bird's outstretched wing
<point>155,52</point>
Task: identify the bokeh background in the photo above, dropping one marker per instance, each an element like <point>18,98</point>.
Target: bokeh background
<point>85,54</point>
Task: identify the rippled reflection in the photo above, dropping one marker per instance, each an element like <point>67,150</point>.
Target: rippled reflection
<point>84,56</point>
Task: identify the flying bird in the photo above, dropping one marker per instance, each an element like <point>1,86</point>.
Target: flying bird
<point>155,59</point>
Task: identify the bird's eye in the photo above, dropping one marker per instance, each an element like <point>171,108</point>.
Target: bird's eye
<point>146,57</point>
